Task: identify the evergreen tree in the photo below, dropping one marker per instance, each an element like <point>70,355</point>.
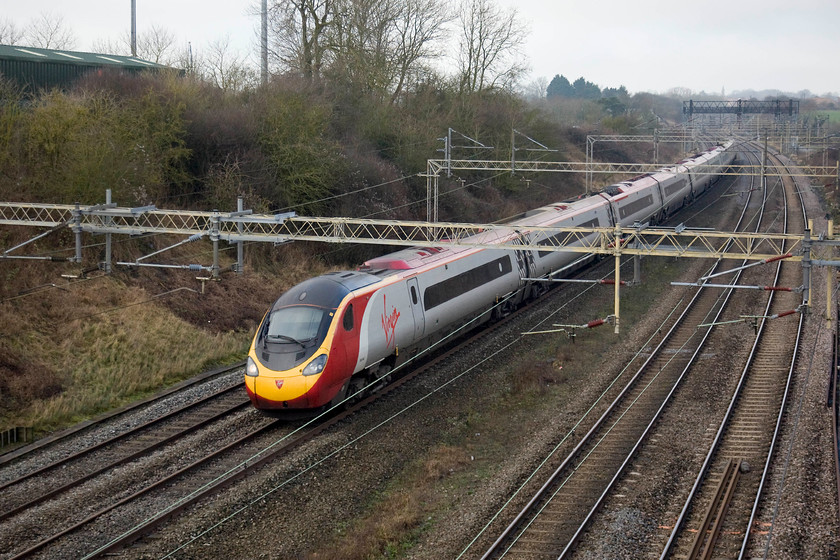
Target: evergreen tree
<point>586,90</point>
<point>559,87</point>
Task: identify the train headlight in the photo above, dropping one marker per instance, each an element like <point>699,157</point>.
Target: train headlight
<point>316,365</point>
<point>251,368</point>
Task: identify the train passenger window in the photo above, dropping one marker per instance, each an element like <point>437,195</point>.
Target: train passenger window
<point>414,295</point>
<point>455,286</point>
<point>348,318</point>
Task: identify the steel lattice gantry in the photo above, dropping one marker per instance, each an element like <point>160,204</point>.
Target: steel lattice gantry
<point>241,226</point>
<point>789,107</point>
<point>436,166</point>
<point>244,226</point>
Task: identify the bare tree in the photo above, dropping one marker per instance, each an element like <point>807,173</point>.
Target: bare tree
<point>299,28</point>
<point>536,89</point>
<point>226,68</point>
<point>157,44</point>
<point>110,46</point>
<point>9,33</point>
<point>489,49</point>
<point>376,45</point>
<point>360,42</point>
<point>48,31</point>
<point>417,30</point>
<point>192,62</point>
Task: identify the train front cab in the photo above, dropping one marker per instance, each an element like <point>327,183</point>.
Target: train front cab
<point>306,344</point>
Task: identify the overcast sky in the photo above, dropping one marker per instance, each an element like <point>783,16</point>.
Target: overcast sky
<point>645,45</point>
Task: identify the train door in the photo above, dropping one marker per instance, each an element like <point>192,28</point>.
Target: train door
<point>416,307</point>
<point>524,257</point>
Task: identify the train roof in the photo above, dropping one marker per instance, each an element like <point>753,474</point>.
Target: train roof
<point>406,259</point>
<point>326,290</point>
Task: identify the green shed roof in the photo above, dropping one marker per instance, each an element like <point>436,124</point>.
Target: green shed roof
<point>34,54</point>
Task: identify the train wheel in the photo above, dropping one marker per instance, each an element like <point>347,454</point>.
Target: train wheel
<point>383,378</point>
<point>538,289</point>
<point>355,390</point>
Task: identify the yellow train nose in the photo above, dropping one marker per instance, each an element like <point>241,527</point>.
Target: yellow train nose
<point>283,388</point>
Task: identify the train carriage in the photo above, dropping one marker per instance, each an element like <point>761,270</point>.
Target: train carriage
<point>336,334</point>
<point>633,202</point>
<point>675,184</point>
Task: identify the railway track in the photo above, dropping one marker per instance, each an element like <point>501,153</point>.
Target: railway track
<point>123,518</point>
<point>21,454</point>
<point>37,486</point>
<point>559,513</point>
<point>718,514</point>
<point>210,481</point>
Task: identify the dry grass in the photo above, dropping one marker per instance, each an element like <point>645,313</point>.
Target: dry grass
<point>70,361</point>
<point>76,348</point>
<point>400,514</point>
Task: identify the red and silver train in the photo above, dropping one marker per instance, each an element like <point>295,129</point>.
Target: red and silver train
<point>331,336</point>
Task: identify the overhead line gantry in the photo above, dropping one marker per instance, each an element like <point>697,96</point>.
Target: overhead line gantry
<point>245,226</point>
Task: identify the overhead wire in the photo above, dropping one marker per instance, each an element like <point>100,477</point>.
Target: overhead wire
<point>440,387</point>
<point>368,432</point>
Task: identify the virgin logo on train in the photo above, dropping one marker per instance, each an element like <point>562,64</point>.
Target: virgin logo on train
<point>389,323</point>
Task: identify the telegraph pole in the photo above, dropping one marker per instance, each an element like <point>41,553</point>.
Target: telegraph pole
<point>133,27</point>
<point>264,43</point>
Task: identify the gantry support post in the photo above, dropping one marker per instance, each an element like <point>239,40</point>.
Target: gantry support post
<point>77,230</point>
<point>108,248</point>
<point>655,145</point>
<point>617,276</point>
<point>240,245</point>
<point>590,154</point>
<point>806,269</point>
<point>431,192</point>
<point>214,237</point>
<point>637,270</point>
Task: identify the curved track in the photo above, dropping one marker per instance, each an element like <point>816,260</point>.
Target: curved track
<point>718,514</point>
<point>558,515</point>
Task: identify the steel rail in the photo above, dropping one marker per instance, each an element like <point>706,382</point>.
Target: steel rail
<point>835,406</point>
<point>216,486</point>
<point>242,469</point>
<point>69,432</point>
<point>114,439</point>
<point>526,511</point>
<point>706,537</point>
<point>595,508</point>
<point>726,420</point>
<point>44,542</point>
<point>782,405</point>
<point>145,450</point>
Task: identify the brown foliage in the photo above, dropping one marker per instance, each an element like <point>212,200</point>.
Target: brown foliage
<point>24,379</point>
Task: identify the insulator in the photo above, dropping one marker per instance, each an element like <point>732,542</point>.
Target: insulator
<point>783,314</point>
<point>780,257</point>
